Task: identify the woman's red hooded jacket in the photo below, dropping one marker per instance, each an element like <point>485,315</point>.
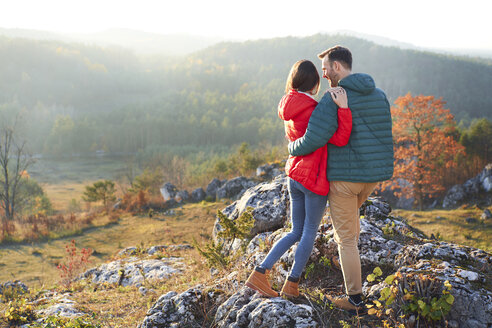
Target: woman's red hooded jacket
<point>295,109</point>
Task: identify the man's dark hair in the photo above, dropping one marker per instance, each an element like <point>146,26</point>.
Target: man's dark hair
<point>303,77</point>
<point>340,54</point>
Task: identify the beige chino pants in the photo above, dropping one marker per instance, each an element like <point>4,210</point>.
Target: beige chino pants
<point>345,199</point>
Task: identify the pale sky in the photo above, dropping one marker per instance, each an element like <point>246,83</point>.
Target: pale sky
<point>424,23</point>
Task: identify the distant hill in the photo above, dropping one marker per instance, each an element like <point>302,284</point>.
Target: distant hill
<point>81,98</point>
<point>142,43</point>
<point>380,40</point>
<point>463,82</point>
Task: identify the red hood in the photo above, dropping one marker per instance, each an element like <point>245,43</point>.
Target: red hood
<point>294,103</point>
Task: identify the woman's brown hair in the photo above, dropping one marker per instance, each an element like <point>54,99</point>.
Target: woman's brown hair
<point>303,77</point>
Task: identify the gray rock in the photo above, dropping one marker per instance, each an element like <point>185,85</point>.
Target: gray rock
<point>471,220</point>
<point>118,205</point>
<point>132,271</point>
<point>66,310</point>
<point>168,191</point>
<point>268,171</point>
<point>470,275</point>
<point>485,178</point>
<point>212,188</point>
<point>198,195</point>
<point>181,310</point>
<point>182,196</point>
<point>154,249</point>
<point>486,215</point>
<point>454,196</point>
<point>375,207</point>
<point>487,184</point>
<point>234,187</point>
<point>246,309</point>
<point>14,287</point>
<point>474,190</point>
<point>269,201</point>
<point>132,250</point>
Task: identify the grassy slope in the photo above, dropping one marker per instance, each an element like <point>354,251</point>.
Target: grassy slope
<point>451,225</point>
<point>35,263</point>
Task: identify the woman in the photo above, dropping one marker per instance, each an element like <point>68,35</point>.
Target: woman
<point>308,185</point>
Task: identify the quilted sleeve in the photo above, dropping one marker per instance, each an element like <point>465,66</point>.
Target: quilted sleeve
<point>321,127</point>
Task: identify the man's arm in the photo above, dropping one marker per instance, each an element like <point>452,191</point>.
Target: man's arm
<point>322,125</point>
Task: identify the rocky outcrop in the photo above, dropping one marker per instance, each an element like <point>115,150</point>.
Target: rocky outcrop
<point>197,307</point>
<point>234,187</point>
<point>424,266</point>
<point>13,287</point>
<point>168,191</point>
<point>269,201</point>
<point>187,309</point>
<point>62,305</point>
<point>268,171</point>
<point>246,309</point>
<point>477,190</point>
<point>134,271</point>
<point>212,188</point>
<point>182,196</point>
<point>486,215</point>
<point>198,195</point>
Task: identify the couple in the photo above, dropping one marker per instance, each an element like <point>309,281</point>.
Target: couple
<point>360,146</point>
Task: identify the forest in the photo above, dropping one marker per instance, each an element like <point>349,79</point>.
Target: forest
<point>71,99</point>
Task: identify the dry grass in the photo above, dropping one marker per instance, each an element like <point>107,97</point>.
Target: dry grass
<point>451,225</point>
<point>115,306</point>
<point>61,194</point>
<point>35,263</point>
<point>122,307</point>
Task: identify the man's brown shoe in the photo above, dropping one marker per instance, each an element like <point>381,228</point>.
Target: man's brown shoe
<point>290,288</point>
<point>345,303</point>
<point>259,282</point>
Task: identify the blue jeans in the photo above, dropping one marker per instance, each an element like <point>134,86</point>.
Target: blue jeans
<point>306,210</point>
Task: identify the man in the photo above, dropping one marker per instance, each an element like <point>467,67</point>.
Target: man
<point>355,169</point>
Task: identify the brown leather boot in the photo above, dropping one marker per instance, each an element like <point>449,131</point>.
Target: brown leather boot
<point>290,288</point>
<point>259,282</point>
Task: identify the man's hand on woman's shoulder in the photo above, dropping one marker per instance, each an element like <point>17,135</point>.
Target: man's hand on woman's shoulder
<point>339,96</point>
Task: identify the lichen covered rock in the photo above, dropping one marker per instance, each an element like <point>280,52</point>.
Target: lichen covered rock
<point>247,309</point>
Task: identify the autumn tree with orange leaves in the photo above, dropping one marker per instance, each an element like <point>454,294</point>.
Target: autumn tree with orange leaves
<point>425,149</point>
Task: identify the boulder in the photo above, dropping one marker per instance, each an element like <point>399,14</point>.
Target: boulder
<point>268,171</point>
<point>212,188</point>
<point>476,190</point>
<point>168,191</point>
<point>15,287</point>
<point>154,249</point>
<point>246,308</point>
<point>63,306</point>
<point>182,196</point>
<point>269,201</point>
<point>485,178</point>
<point>181,310</point>
<point>234,187</point>
<point>198,195</point>
<point>455,196</point>
<point>486,215</point>
<point>133,271</point>
<point>375,207</point>
<point>132,250</point>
